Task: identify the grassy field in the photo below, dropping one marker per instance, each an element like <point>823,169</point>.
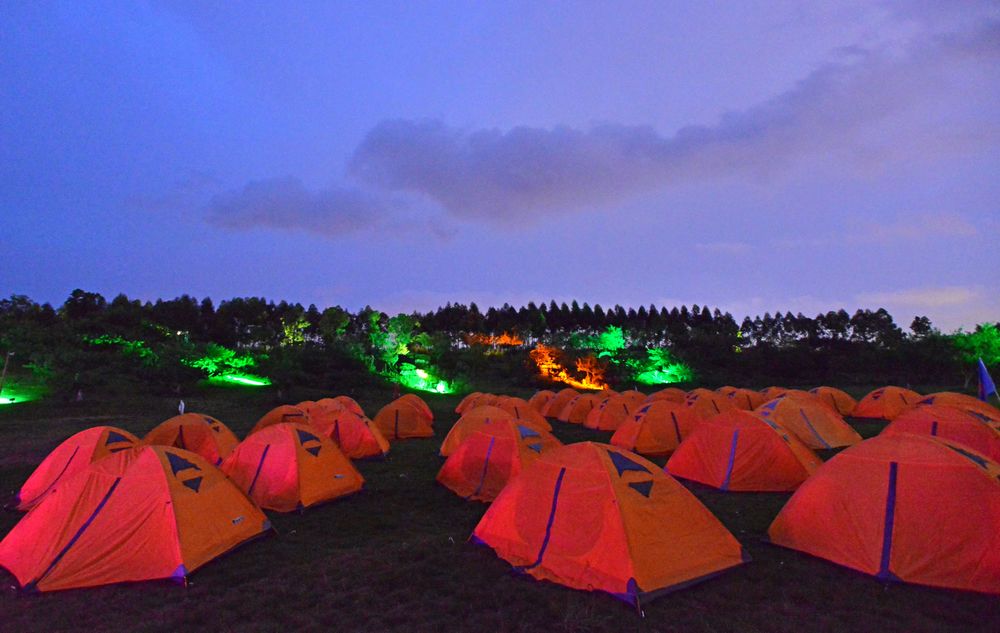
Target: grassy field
<point>395,557</point>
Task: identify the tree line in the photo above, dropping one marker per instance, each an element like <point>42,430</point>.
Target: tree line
<point>299,344</point>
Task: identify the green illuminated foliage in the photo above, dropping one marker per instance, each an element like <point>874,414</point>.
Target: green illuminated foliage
<point>660,368</point>
<point>294,331</point>
<point>128,347</point>
<point>983,342</point>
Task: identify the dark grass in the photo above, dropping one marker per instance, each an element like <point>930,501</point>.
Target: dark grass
<point>395,557</point>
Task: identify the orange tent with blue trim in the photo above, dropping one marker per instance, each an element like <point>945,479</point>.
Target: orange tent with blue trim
<point>147,513</point>
<point>285,414</point>
<point>886,403</point>
<point>905,507</point>
<point>540,399</point>
<point>288,467</point>
<point>812,421</point>
<point>479,417</point>
<point>355,435</point>
<point>558,402</point>
<point>489,456</point>
<point>670,394</point>
<point>740,450</point>
<point>840,401</point>
<point>611,413</point>
<point>656,429</point>
<point>196,432</point>
<point>706,403</point>
<point>983,410</point>
<point>951,424</point>
<point>595,517</point>
<point>521,410</point>
<point>575,411</point>
<point>71,456</point>
<point>400,420</point>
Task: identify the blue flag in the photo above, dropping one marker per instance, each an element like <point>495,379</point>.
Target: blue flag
<point>986,385</point>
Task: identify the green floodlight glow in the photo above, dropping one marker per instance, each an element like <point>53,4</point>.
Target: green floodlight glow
<point>420,379</point>
<point>660,368</point>
<point>245,380</point>
<point>16,394</point>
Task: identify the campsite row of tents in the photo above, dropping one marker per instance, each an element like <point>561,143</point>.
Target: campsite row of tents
<point>919,503</point>
<point>107,507</point>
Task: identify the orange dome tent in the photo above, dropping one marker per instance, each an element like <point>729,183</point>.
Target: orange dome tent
<point>558,402</point>
<point>670,394</point>
<point>610,414</point>
<point>419,403</point>
<point>284,414</point>
<point>705,403</point>
<point>481,416</point>
<point>949,423</point>
<point>468,401</point>
<point>816,424</point>
<point>540,399</point>
<point>839,401</point>
<point>489,456</point>
<point>288,467</point>
<point>71,456</point>
<point>904,507</point>
<point>147,513</point>
<point>594,517</point>
<point>656,429</point>
<point>746,399</point>
<point>576,410</point>
<point>886,403</point>
<point>740,450</point>
<point>966,403</point>
<point>400,420</point>
<point>355,435</point>
<point>196,432</point>
<point>521,410</point>
<point>770,393</point>
<point>341,402</point>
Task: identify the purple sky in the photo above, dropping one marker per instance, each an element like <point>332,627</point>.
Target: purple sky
<point>754,156</point>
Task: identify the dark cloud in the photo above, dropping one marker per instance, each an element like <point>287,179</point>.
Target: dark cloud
<point>512,177</point>
<point>285,203</point>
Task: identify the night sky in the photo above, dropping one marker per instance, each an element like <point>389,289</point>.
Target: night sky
<point>751,156</point>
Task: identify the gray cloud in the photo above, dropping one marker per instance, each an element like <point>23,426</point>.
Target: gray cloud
<point>837,111</point>
<point>285,203</point>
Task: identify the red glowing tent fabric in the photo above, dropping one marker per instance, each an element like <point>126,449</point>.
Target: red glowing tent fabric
<point>740,450</point>
<point>196,432</point>
<point>951,424</point>
<point>71,456</point>
<point>594,517</point>
<point>489,456</point>
<point>904,507</point>
<point>288,467</point>
<point>146,513</point>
